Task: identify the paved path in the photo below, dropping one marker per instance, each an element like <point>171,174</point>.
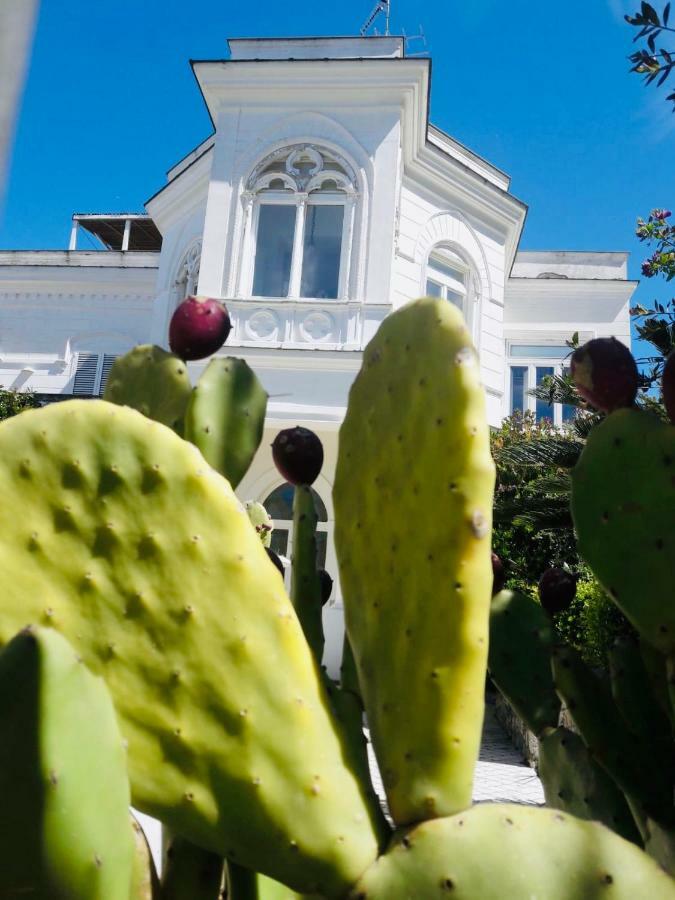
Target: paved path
<point>501,774</point>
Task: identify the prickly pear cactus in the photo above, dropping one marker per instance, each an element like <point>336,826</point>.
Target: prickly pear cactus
<point>576,784</point>
<point>226,416</point>
<point>64,816</point>
<point>154,382</point>
<point>413,503</point>
<point>261,521</point>
<point>117,534</point>
<point>524,677</point>
<point>495,852</point>
<point>623,505</point>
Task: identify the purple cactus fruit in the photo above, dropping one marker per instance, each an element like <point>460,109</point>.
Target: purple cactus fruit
<point>199,327</point>
<point>275,559</point>
<point>326,586</point>
<point>668,386</point>
<point>557,589</point>
<point>498,574</point>
<point>298,455</point>
<point>605,374</point>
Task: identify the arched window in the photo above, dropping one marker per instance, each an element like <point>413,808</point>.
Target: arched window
<point>449,277</point>
<point>187,278</point>
<point>301,221</point>
<point>279,505</point>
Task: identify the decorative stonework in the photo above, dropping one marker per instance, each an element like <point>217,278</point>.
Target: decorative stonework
<point>262,325</point>
<point>301,168</point>
<point>317,326</point>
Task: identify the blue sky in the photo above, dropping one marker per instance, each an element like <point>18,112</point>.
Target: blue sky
<point>540,90</point>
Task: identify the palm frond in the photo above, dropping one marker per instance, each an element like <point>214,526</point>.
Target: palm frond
<point>549,451</point>
<point>557,389</point>
<point>560,485</point>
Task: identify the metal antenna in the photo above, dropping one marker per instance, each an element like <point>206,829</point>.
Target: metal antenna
<point>382,6</point>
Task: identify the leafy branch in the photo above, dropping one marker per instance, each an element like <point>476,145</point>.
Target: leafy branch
<point>655,63</point>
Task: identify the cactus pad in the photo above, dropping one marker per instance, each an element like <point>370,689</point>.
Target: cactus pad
<point>576,784</point>
<point>623,505</point>
<point>64,816</point>
<point>154,382</point>
<point>226,416</point>
<point>523,677</point>
<point>413,504</point>
<point>494,852</point>
<point>116,533</point>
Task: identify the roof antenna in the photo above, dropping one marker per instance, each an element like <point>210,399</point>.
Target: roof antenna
<point>382,6</point>
<point>408,38</point>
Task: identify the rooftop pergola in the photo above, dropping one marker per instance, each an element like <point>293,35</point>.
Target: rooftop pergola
<point>119,231</point>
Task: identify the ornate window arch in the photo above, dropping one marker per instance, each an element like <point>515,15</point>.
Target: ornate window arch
<point>300,205</point>
<point>450,275</point>
<point>187,276</point>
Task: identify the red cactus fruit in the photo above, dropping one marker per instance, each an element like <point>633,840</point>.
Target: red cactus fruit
<point>605,374</point>
<point>668,386</point>
<point>298,455</point>
<point>557,589</point>
<point>498,574</point>
<point>199,327</point>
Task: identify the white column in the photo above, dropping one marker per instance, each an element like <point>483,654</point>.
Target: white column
<point>346,248</point>
<point>298,238</point>
<point>73,235</point>
<point>127,234</point>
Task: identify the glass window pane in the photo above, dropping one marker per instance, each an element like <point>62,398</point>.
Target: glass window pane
<point>455,298</point>
<point>568,411</point>
<point>433,289</point>
<point>321,544</point>
<point>274,249</point>
<point>446,268</point>
<point>539,351</point>
<point>279,504</point>
<point>321,251</point>
<point>280,542</point>
<point>544,409</point>
<point>518,375</point>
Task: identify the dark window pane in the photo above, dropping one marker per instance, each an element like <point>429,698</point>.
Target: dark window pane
<point>518,374</point>
<point>321,251</point>
<point>568,412</point>
<point>274,250</point>
<point>321,541</point>
<point>280,541</point>
<point>544,409</point>
<point>279,504</point>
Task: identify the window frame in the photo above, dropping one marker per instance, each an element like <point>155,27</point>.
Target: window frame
<point>465,267</point>
<point>301,193</point>
<point>531,363</point>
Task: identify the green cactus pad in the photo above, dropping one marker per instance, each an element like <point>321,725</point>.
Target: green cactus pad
<point>634,697</point>
<point>226,416</point>
<point>508,852</point>
<point>622,754</point>
<point>623,505</point>
<point>115,532</point>
<point>305,584</point>
<point>521,640</point>
<point>64,815</point>
<point>152,381</point>
<point>576,784</point>
<point>413,505</point>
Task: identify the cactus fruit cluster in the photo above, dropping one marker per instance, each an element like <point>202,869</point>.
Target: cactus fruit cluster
<point>154,608</point>
<point>618,767</point>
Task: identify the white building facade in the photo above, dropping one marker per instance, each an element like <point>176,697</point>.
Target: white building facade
<point>323,200</point>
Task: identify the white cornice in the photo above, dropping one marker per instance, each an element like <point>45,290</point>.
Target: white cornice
<point>53,280</point>
<point>183,194</point>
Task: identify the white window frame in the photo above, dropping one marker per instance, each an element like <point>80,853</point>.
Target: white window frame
<point>302,192</point>
<point>458,262</point>
<point>531,364</point>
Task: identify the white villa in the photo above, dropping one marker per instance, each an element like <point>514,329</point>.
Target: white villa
<point>323,200</point>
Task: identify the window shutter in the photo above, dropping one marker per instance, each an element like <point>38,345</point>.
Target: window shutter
<point>108,360</point>
<point>85,374</point>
